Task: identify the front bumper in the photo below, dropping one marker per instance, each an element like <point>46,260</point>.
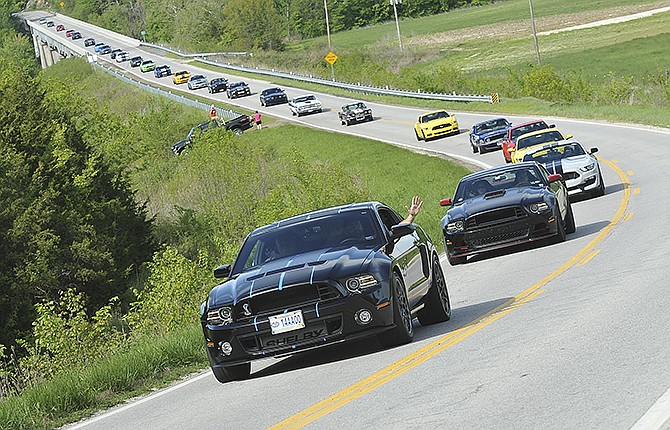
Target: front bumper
<point>578,183</point>
<point>325,323</point>
<point>501,234</point>
<point>441,130</point>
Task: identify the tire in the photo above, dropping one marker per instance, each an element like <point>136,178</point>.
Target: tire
<point>438,306</point>
<point>474,149</point>
<point>237,131</point>
<point>560,227</point>
<point>570,226</point>
<point>403,332</point>
<point>455,261</point>
<point>232,373</point>
<point>600,191</point>
<point>417,136</point>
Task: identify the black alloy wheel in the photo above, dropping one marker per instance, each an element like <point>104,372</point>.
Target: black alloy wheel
<point>438,306</point>
<point>403,332</point>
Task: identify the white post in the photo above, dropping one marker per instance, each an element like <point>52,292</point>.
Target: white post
<point>397,25</point>
<point>532,22</point>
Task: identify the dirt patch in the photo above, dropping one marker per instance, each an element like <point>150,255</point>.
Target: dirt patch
<point>521,27</point>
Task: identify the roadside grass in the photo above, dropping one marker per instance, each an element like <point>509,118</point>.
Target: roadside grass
<point>389,174</point>
<point>510,11</point>
<point>150,364</point>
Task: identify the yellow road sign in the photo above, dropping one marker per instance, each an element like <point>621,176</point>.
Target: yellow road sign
<point>331,58</point>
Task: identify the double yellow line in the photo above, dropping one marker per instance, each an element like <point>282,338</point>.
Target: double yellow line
<point>414,359</point>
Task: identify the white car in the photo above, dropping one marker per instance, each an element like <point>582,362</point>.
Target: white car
<point>579,168</point>
<point>305,104</point>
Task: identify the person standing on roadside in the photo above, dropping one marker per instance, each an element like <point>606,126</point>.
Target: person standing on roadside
<point>212,112</point>
<point>257,119</point>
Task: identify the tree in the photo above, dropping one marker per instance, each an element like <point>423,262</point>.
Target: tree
<point>253,24</point>
<point>66,219</point>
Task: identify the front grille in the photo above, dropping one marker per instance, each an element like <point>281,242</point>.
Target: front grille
<point>294,296</point>
<point>494,217</point>
<point>570,175</point>
<point>441,126</point>
<point>493,237</point>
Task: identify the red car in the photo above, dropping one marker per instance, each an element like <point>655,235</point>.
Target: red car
<point>514,132</point>
<point>69,33</point>
<point>60,27</point>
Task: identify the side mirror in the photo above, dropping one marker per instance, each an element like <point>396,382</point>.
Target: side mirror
<point>555,177</point>
<point>222,271</point>
<point>445,202</point>
<point>569,136</point>
<point>398,231</point>
<point>552,125</point>
<point>594,150</point>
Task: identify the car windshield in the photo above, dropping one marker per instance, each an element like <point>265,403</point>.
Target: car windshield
<point>434,115</point>
<point>497,181</point>
<point>345,229</point>
<point>537,139</point>
<point>237,84</point>
<point>555,152</point>
<point>305,98</point>
<point>490,126</point>
<point>528,128</point>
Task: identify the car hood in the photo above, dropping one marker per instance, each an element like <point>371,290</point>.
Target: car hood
<point>311,267</point>
<point>305,103</point>
<point>356,111</point>
<point>570,164</point>
<point>493,133</point>
<point>275,94</point>
<point>497,199</point>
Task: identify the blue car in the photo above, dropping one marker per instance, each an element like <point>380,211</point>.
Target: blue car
<point>488,135</point>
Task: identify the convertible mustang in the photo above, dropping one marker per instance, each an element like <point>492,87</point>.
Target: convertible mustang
<point>536,138</point>
<point>319,278</point>
<point>505,206</point>
<point>580,169</point>
<point>354,112</point>
<point>488,135</point>
<point>435,124</point>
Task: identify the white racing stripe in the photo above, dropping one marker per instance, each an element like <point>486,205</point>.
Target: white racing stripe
<point>657,417</point>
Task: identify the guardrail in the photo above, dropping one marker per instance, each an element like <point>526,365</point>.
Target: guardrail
<point>226,114</point>
<point>492,98</point>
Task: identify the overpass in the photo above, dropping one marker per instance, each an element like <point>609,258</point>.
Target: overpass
<point>51,46</point>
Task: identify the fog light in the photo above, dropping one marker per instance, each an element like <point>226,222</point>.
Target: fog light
<point>363,317</point>
<point>226,348</point>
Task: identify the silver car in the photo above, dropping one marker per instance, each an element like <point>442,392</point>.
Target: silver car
<point>579,168</point>
<point>197,81</point>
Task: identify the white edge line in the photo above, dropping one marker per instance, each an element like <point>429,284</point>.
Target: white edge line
<point>138,402</point>
<point>656,416</point>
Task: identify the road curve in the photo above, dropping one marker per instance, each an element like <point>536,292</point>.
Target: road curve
<point>572,335</point>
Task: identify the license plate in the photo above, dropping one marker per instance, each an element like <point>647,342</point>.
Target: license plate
<point>286,322</point>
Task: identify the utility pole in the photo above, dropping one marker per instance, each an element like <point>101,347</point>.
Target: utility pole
<point>332,68</point>
<point>532,23</point>
<point>397,25</point>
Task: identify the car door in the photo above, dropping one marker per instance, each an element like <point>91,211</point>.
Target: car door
<point>410,256</point>
<point>559,189</point>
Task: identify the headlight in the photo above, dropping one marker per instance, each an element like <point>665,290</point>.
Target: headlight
<point>220,316</point>
<point>360,282</point>
<point>588,167</point>
<point>455,226</point>
<point>537,208</point>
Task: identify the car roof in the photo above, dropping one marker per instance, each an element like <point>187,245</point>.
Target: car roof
<point>316,214</point>
<point>535,121</point>
<point>503,168</point>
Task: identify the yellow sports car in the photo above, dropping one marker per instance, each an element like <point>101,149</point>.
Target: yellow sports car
<point>535,139</point>
<point>435,124</point>
<point>181,77</point>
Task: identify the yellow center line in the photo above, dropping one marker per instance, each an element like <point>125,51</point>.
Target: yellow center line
<point>588,258</point>
<point>628,216</point>
<point>414,359</point>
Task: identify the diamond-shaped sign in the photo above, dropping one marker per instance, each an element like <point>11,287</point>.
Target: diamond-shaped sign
<point>331,58</point>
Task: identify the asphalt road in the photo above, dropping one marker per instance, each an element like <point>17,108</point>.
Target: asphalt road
<point>572,335</point>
